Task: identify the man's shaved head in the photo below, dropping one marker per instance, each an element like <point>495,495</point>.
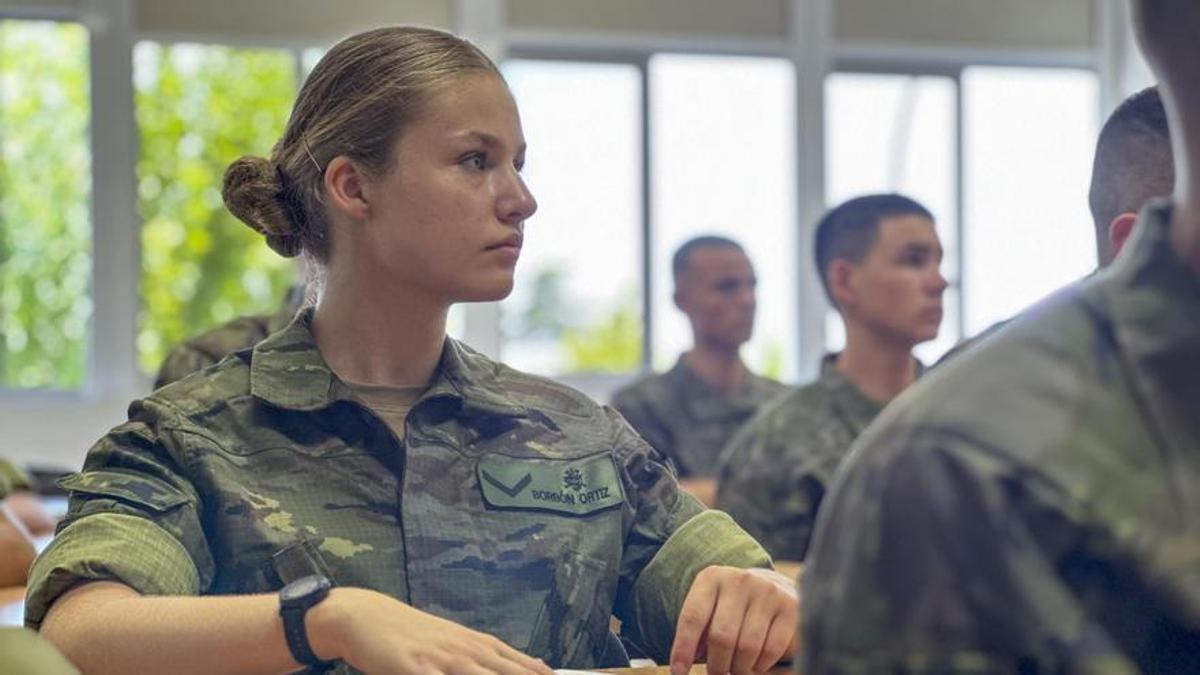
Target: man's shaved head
<point>1133,164</point>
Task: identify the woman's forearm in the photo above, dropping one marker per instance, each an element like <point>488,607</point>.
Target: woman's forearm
<point>106,627</point>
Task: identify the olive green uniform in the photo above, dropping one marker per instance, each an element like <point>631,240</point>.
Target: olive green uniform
<point>1034,505</point>
<point>12,478</point>
<point>510,504</point>
<point>689,420</point>
<point>775,470</point>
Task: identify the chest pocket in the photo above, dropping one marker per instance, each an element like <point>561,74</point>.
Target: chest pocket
<point>526,549</point>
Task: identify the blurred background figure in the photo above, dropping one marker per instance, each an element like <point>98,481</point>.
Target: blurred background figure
<point>879,258</point>
<point>692,410</point>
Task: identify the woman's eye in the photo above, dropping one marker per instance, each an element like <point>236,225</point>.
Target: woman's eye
<point>475,160</point>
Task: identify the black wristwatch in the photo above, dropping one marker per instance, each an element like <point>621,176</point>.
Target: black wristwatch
<point>295,600</point>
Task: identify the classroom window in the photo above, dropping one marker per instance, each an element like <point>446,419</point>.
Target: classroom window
<point>199,108</point>
<point>45,218</point>
<point>723,149</point>
<point>576,306</point>
<point>1029,139</point>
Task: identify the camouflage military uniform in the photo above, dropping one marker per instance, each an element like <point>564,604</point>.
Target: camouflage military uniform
<point>512,505</point>
<point>1033,506</point>
<point>12,478</point>
<point>688,420</point>
<point>210,347</point>
<point>774,471</point>
<point>23,652</point>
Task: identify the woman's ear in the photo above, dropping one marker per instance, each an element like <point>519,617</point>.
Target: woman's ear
<point>346,188</point>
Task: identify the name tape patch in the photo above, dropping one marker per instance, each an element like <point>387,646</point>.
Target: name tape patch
<point>575,486</point>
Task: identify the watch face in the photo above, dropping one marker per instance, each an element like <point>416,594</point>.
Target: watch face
<point>302,588</point>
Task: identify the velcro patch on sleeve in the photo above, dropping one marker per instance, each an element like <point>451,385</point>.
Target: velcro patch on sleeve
<point>570,486</point>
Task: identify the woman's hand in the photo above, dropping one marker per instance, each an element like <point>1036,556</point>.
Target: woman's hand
<point>744,620</point>
<point>378,634</point>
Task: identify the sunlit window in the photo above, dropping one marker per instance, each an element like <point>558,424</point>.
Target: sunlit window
<point>45,220</point>
<point>199,108</point>
<point>723,149</point>
<point>576,306</point>
<point>1029,135</point>
<point>896,133</point>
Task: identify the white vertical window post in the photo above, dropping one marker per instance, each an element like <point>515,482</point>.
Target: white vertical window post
<point>115,222</point>
<point>810,34</point>
<point>483,22</point>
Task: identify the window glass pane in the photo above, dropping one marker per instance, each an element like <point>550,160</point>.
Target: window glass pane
<point>723,162</point>
<point>576,306</point>
<point>45,219</point>
<point>896,133</point>
<point>1029,136</point>
<point>199,108</point>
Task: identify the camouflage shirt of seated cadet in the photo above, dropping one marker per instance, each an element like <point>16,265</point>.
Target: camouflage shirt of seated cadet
<point>511,504</point>
<point>1033,506</point>
<point>210,347</point>
<point>688,420</point>
<point>776,469</point>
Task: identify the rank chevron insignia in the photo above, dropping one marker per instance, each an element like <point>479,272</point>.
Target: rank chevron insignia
<point>510,491</point>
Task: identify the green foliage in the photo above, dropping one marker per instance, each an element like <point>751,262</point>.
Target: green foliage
<point>611,345</point>
<point>198,109</point>
<point>45,220</point>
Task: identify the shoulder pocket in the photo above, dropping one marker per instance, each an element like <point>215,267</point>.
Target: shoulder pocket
<point>577,487</point>
<point>144,491</point>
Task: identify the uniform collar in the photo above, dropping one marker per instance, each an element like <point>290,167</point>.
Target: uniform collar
<point>286,370</point>
<point>858,408</point>
<point>705,402</point>
<point>1153,299</point>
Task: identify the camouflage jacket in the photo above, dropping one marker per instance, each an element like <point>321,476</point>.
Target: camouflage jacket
<point>210,347</point>
<point>774,471</point>
<point>512,504</point>
<point>11,478</point>
<point>1034,505</point>
<point>22,651</point>
<point>686,419</point>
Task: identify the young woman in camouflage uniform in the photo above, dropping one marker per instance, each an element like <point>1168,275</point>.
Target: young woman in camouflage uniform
<point>467,514</point>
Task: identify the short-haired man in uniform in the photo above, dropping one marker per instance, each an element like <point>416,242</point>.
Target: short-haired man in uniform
<point>692,410</point>
<point>1034,506</point>
<point>878,257</point>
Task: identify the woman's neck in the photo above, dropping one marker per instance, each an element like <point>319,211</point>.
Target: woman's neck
<point>371,336</point>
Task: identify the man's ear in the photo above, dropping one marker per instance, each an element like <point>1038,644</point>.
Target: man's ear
<point>1119,231</point>
<point>680,299</point>
<point>840,277</point>
<point>346,188</point>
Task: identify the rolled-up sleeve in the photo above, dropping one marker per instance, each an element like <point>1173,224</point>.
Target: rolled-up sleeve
<point>671,540</point>
<point>134,518</point>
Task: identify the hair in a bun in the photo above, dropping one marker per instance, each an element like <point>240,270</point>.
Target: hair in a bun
<point>253,191</point>
<point>354,103</point>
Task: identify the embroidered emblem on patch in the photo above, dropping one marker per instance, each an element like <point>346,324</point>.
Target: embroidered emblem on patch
<point>573,480</point>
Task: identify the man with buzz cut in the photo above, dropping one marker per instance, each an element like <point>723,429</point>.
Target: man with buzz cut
<point>1034,506</point>
<point>878,257</point>
<point>691,411</point>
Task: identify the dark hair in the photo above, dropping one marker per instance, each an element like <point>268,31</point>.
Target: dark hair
<point>356,102</point>
<point>848,231</point>
<point>1133,163</point>
<point>683,255</point>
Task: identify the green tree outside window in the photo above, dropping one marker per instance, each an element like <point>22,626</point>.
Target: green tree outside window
<point>45,219</point>
<point>198,109</point>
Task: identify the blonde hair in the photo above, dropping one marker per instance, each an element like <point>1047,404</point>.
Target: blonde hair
<point>356,102</point>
